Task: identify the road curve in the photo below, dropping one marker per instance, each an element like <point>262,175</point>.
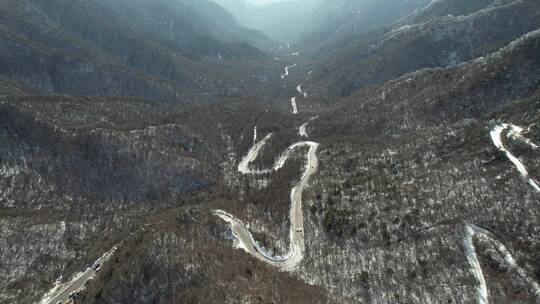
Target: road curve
<point>243,166</point>
<point>245,239</point>
<point>299,90</point>
<point>472,231</point>
<point>60,293</point>
<point>302,131</point>
<point>293,99</point>
<point>472,258</point>
<point>516,133</point>
<point>287,70</point>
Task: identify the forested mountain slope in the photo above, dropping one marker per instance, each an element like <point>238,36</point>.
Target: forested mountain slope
<point>438,42</point>
<point>333,21</point>
<point>157,50</point>
<point>150,153</point>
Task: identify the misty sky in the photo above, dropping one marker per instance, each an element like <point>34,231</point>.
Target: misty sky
<point>260,2</point>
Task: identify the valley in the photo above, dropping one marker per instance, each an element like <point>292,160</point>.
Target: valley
<point>365,152</point>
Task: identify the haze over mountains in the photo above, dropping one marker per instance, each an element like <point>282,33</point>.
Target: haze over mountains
<point>283,21</point>
<point>194,151</point>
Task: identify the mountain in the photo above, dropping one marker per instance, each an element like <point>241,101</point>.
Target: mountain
<point>334,20</point>
<point>188,21</point>
<point>410,164</point>
<point>97,168</point>
<point>97,48</point>
<point>435,96</point>
<point>453,8</point>
<point>438,42</point>
<point>150,152</point>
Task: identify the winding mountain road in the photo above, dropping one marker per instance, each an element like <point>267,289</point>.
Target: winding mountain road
<point>516,133</point>
<point>472,258</point>
<point>473,231</point>
<point>283,76</point>
<point>243,166</point>
<point>302,131</point>
<point>243,238</point>
<point>299,90</point>
<point>293,99</point>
